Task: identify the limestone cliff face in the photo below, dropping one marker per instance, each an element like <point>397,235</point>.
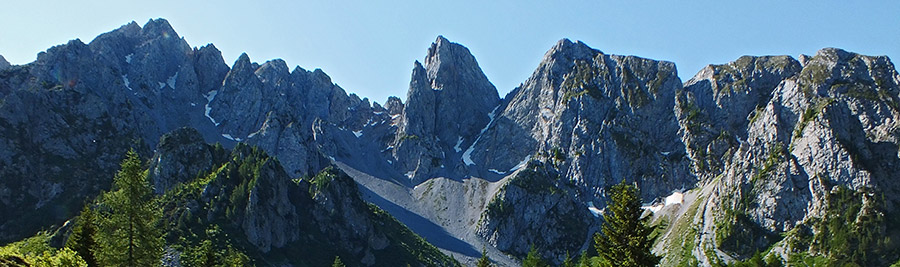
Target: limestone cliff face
<point>536,208</point>
<point>447,106</point>
<point>803,137</point>
<point>601,118</point>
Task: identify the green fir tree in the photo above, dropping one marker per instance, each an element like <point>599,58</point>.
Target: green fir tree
<point>484,261</point>
<point>130,234</point>
<point>533,259</point>
<point>337,262</point>
<point>626,239</point>
<point>83,238</point>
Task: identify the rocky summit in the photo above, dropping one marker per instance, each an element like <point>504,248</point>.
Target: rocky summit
<point>780,159</point>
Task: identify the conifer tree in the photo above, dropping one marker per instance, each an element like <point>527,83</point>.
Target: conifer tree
<point>337,262</point>
<point>583,260</point>
<point>130,233</point>
<point>568,261</point>
<point>82,240</point>
<point>626,237</point>
<point>484,261</point>
<point>533,259</point>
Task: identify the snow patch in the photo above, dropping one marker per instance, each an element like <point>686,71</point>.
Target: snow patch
<point>127,83</point>
<point>467,156</point>
<point>357,133</point>
<point>497,172</point>
<point>654,208</point>
<point>252,134</point>
<point>209,98</point>
<point>410,174</point>
<point>521,164</point>
<point>193,104</point>
<point>229,137</point>
<point>674,198</point>
<point>171,80</point>
<point>458,142</point>
<point>162,85</point>
<point>394,119</point>
<point>128,58</point>
<point>594,210</point>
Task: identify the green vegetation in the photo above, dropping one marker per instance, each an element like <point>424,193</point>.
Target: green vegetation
<point>679,250</point>
<point>203,219</point>
<point>36,251</point>
<point>130,234</point>
<point>405,137</point>
<point>758,261</point>
<point>811,113</point>
<point>484,261</point>
<point>82,240</point>
<point>533,259</point>
<point>851,232</point>
<point>337,262</point>
<point>626,238</point>
<point>580,81</point>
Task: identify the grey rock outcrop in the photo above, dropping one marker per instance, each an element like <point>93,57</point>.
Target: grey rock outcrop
<point>448,104</point>
<point>535,208</point>
<point>809,133</point>
<point>601,118</point>
<point>181,156</point>
<point>3,63</point>
<point>716,105</point>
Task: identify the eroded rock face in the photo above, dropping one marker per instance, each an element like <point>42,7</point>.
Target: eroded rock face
<point>181,156</point>
<point>447,106</point>
<point>602,118</point>
<point>815,130</point>
<point>536,208</point>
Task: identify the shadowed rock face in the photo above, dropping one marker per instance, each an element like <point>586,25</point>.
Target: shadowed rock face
<point>3,63</point>
<point>447,106</point>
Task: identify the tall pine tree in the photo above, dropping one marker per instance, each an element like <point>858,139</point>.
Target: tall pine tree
<point>626,237</point>
<point>484,261</point>
<point>337,262</point>
<point>130,232</point>
<point>82,240</point>
<point>533,259</point>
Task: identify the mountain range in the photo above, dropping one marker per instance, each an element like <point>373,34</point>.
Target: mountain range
<point>792,158</point>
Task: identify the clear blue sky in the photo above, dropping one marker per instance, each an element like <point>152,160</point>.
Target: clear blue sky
<point>368,47</point>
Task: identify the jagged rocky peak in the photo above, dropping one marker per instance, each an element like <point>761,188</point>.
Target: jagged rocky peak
<point>210,68</point>
<point>831,70</point>
<point>448,104</point>
<point>716,105</point>
<point>591,120</point>
<point>3,63</point>
<point>393,105</point>
<point>594,114</point>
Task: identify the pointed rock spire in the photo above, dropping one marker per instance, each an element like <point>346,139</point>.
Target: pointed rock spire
<point>448,103</point>
<point>3,63</point>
